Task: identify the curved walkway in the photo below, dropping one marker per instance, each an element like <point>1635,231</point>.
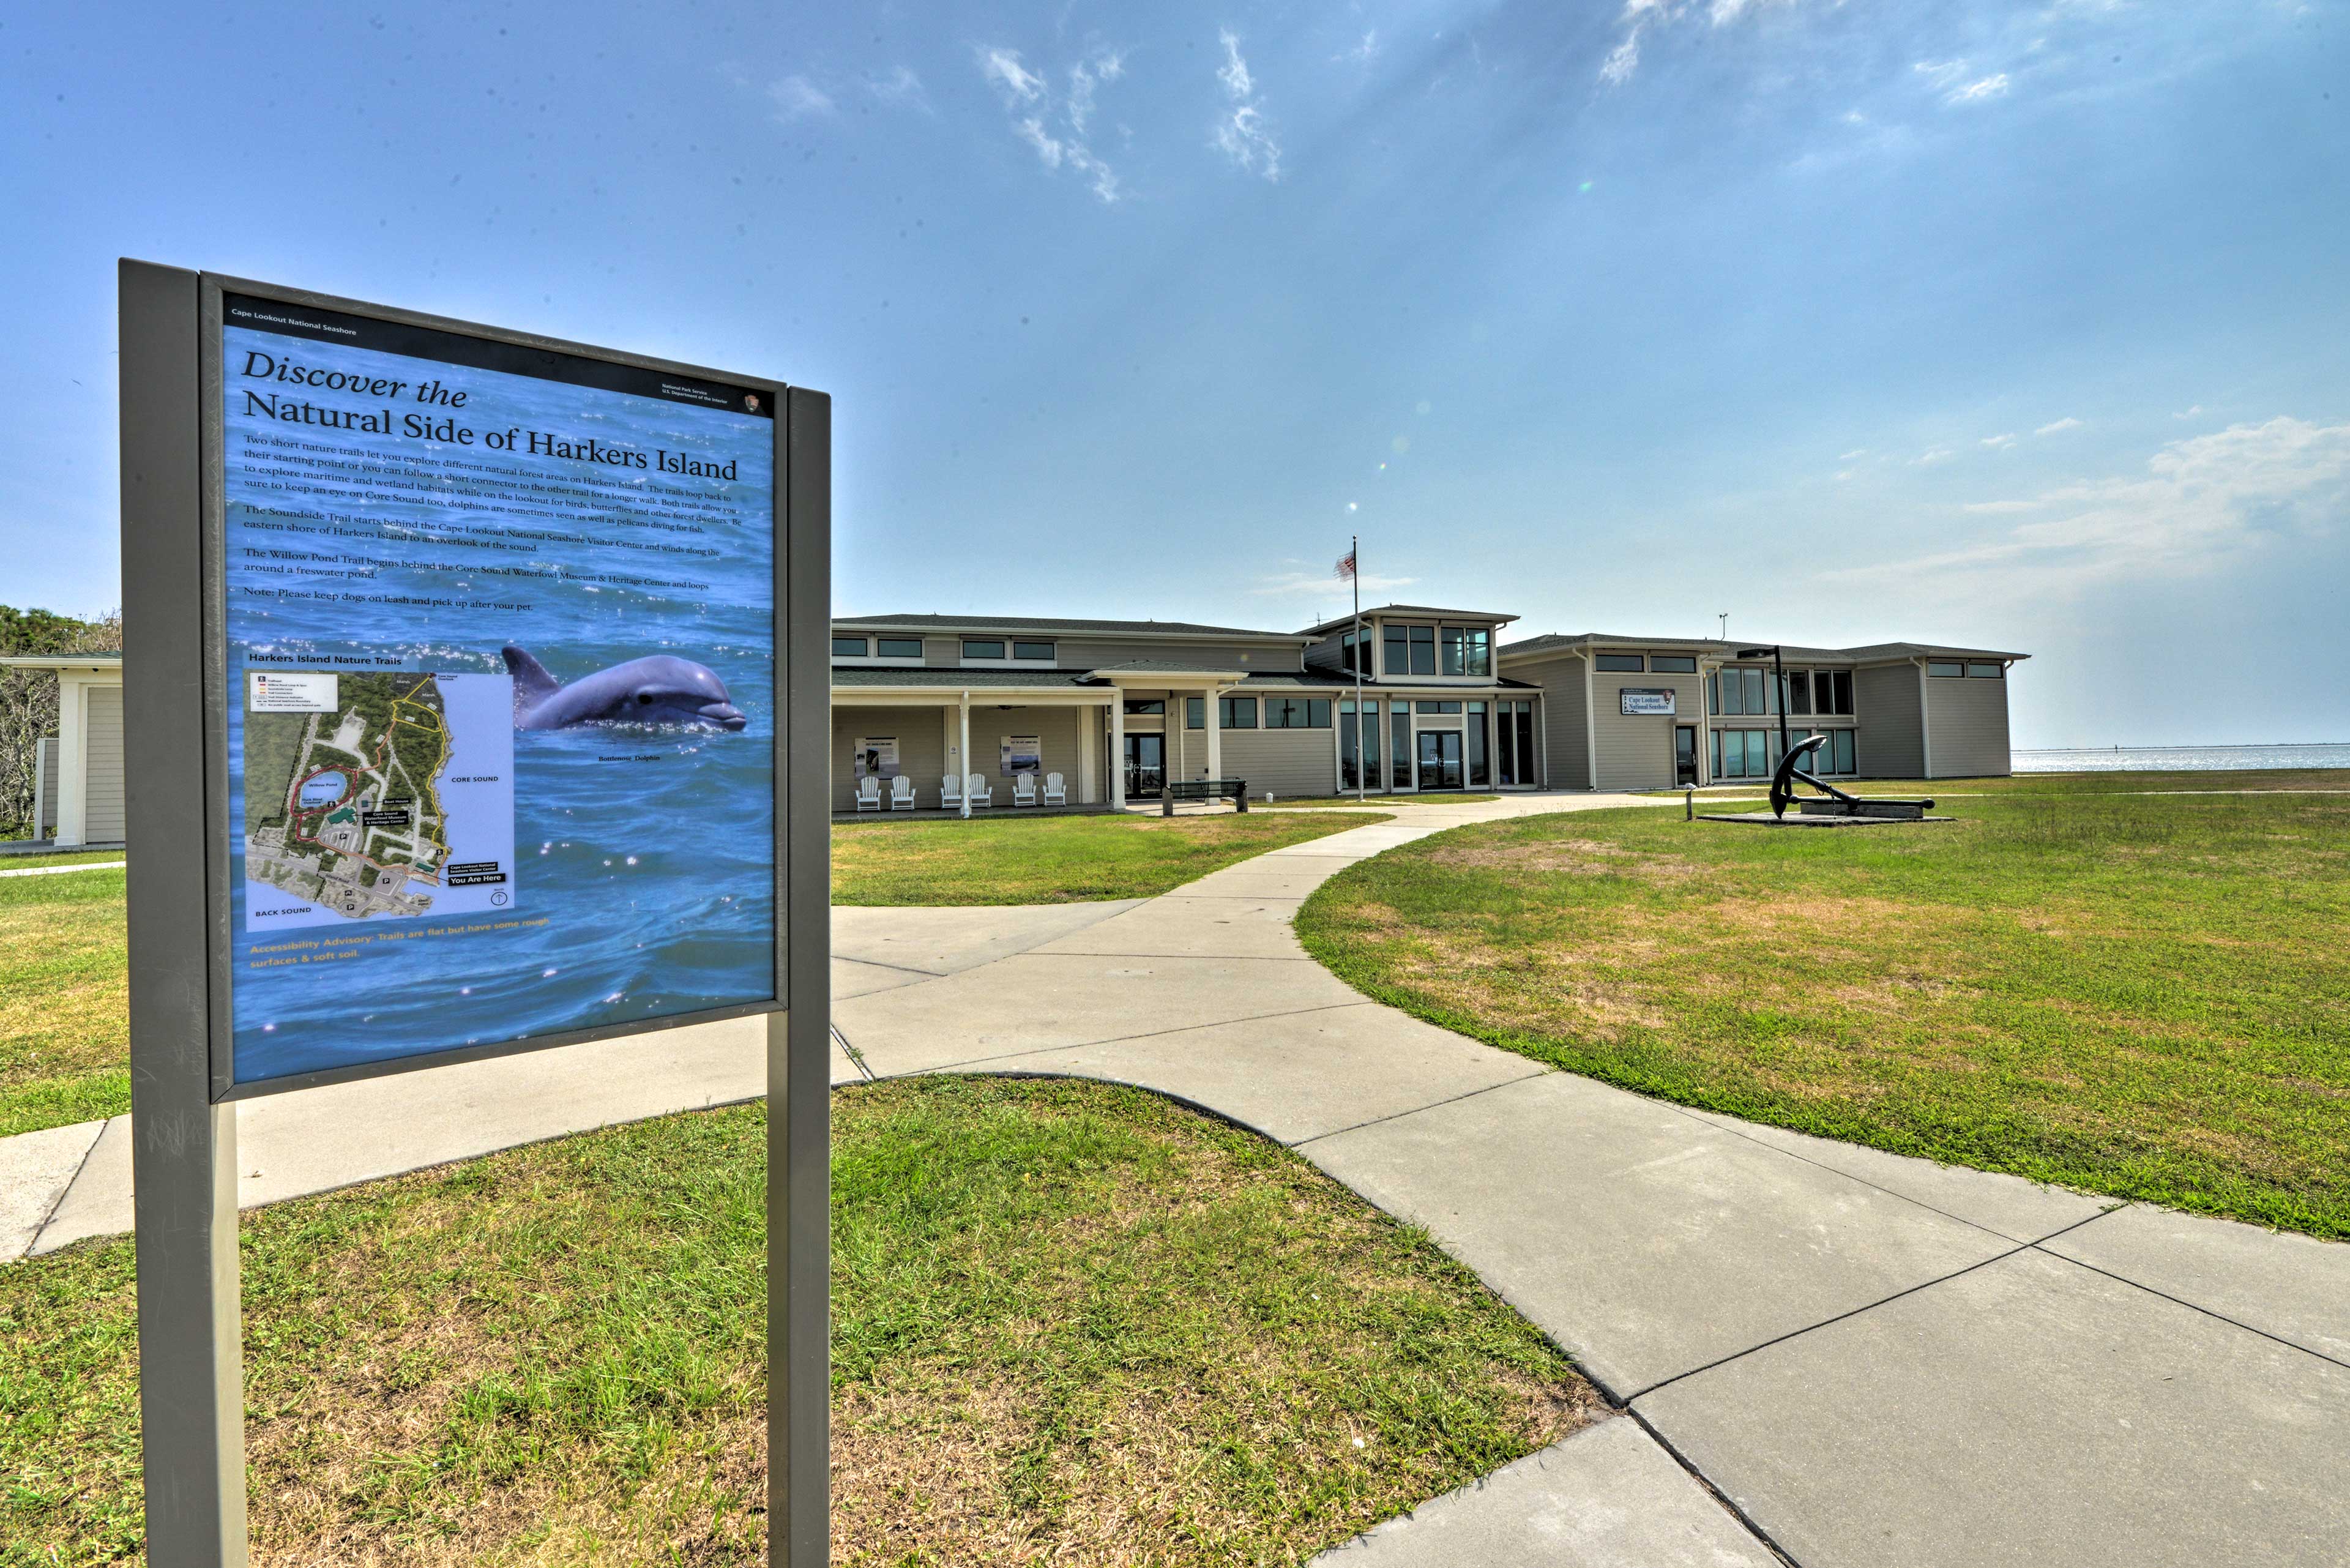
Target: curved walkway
<point>1874,1360</point>
<point>1870,1360</point>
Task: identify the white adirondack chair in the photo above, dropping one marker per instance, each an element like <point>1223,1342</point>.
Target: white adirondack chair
<point>902,793</point>
<point>950,792</point>
<point>868,793</point>
<point>1024,790</point>
<point>981,792</point>
<point>1055,793</point>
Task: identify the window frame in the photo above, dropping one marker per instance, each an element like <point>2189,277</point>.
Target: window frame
<point>1051,653</point>
<point>864,647</point>
<point>1619,664</point>
<point>1143,707</point>
<point>1982,670</point>
<point>882,647</point>
<point>1229,712</point>
<point>1672,664</point>
<point>1421,638</point>
<point>1945,670</point>
<point>1195,712</point>
<point>997,643</point>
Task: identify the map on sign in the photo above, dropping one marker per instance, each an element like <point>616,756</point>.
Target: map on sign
<point>376,796</point>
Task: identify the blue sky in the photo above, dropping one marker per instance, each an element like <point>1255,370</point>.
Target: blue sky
<point>2014,326</point>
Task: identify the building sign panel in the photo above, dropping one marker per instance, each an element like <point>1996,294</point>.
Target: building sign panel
<point>502,623</point>
<point>1640,701</point>
<point>876,757</point>
<point>1019,754</point>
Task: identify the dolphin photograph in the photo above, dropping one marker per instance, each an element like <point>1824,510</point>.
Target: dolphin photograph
<point>660,688</point>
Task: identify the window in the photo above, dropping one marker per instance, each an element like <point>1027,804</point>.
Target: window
<point>1481,774</point>
<point>1437,707</point>
<point>1145,707</point>
<point>1941,670</point>
<point>1839,691</point>
<point>1714,694</point>
<point>1397,654</point>
<point>1298,712</point>
<point>1236,712</point>
<point>1985,671</point>
<point>848,648</point>
<point>1346,653</point>
<point>1630,663</point>
<point>1799,691</point>
<point>1464,650</point>
<point>1399,750</point>
<point>1846,748</point>
<point>1032,650</point>
<point>983,647</point>
<point>1423,649</point>
<point>901,647</point>
<point>1672,664</point>
<point>1753,683</point>
<point>1195,712</point>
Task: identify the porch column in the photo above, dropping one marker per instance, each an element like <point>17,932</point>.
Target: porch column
<point>963,750</point>
<point>73,759</point>
<point>1090,738</point>
<point>1117,752</point>
<point>1214,720</point>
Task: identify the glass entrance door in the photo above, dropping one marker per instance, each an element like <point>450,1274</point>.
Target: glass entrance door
<point>1439,759</point>
<point>1685,754</point>
<point>1146,763</point>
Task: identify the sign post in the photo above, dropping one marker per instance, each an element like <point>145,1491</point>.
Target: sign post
<point>476,700</point>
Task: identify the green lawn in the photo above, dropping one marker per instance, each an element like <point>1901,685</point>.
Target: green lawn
<point>65,857</point>
<point>1435,798</point>
<point>2143,997</point>
<point>1072,1323</point>
<point>1055,859</point>
<point>65,1033</point>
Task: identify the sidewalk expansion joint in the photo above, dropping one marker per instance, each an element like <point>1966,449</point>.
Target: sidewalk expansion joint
<point>2181,1301</point>
<point>1865,1307</point>
<point>852,1053</point>
<point>1904,1196</point>
<point>1753,1526</point>
<point>1539,1072</point>
<point>48,1216</point>
<point>900,967</point>
<point>1203,958</point>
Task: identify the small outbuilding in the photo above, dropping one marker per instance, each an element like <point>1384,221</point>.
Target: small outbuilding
<point>77,785</point>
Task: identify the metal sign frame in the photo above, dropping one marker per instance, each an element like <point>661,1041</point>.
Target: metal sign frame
<point>184,1097</point>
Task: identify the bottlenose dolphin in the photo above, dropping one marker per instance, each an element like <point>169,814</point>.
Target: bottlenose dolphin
<point>659,690</point>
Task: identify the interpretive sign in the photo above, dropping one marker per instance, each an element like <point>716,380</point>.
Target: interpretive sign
<point>475,701</point>
<point>1018,755</point>
<point>1643,702</point>
<point>874,756</point>
<point>506,621</point>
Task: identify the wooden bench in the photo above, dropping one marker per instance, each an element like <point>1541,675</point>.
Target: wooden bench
<point>1233,790</point>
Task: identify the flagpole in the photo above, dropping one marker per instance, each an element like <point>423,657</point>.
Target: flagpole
<point>1354,557</point>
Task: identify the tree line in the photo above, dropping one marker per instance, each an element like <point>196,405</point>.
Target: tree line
<point>28,697</point>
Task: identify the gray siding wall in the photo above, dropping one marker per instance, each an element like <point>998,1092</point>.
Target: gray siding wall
<point>1892,742</point>
<point>1968,721</point>
<point>45,810</point>
<point>102,823</point>
<point>1564,736</point>
<point>921,749</point>
<point>1636,751</point>
<point>1286,762</point>
<point>923,740</point>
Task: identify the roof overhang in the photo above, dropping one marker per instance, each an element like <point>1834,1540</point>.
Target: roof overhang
<point>96,663</point>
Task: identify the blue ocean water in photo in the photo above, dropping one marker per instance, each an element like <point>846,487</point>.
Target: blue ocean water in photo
<point>645,883</point>
<point>2179,759</point>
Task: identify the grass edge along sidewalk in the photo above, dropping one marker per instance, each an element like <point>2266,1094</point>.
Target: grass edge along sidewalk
<point>2126,995</point>
<point>1071,1320</point>
<point>1009,859</point>
<point>65,1039</point>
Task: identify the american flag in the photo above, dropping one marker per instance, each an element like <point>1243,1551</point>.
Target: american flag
<point>1346,565</point>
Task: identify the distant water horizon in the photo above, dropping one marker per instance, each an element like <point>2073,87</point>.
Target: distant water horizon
<point>2180,759</point>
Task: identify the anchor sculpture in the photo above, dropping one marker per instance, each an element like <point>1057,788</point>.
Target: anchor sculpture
<point>1791,771</point>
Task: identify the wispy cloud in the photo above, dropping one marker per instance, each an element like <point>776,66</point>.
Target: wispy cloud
<point>2187,413</point>
<point>1056,130</point>
<point>1977,91</point>
<point>2067,424</point>
<point>1641,17</point>
<point>797,98</point>
<point>2201,502</point>
<point>899,89</point>
<point>1999,442</point>
<point>1934,454</point>
<point>1363,52</point>
<point>1241,134</point>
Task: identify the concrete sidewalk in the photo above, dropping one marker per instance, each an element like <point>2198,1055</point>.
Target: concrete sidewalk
<point>1863,1359</point>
